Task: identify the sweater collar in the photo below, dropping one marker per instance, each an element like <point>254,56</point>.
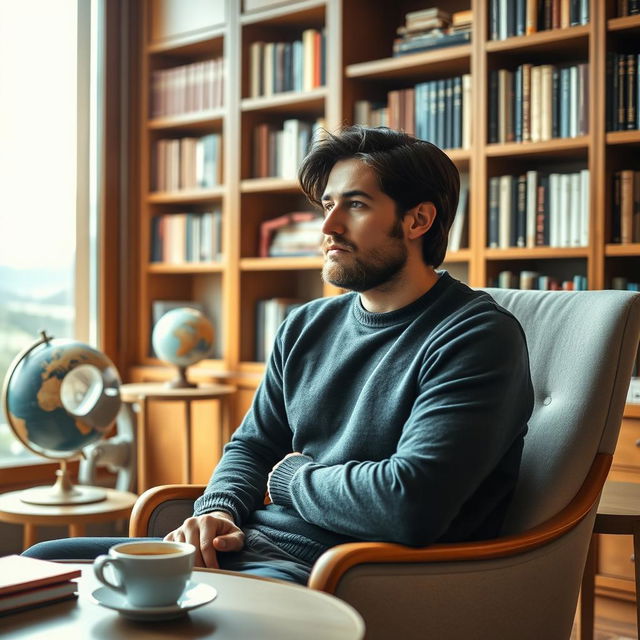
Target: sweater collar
<point>405,314</point>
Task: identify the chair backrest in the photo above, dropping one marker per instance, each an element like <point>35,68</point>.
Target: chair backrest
<point>582,346</point>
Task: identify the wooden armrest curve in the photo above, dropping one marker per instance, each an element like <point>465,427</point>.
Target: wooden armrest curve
<point>148,501</point>
<point>332,564</point>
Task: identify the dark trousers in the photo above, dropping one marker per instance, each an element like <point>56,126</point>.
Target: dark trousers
<point>260,556</point>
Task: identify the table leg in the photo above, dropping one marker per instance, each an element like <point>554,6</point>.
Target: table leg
<point>28,535</point>
<point>187,443</point>
<point>76,530</point>
<point>636,564</point>
<point>587,592</point>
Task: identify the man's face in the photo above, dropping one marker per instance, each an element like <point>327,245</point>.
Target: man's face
<point>364,245</point>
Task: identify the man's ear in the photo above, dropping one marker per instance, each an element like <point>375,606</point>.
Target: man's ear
<point>420,219</point>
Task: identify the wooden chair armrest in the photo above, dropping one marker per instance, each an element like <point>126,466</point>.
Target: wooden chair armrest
<point>335,562</point>
<point>148,501</point>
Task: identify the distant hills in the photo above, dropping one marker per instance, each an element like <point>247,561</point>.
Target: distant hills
<point>44,285</point>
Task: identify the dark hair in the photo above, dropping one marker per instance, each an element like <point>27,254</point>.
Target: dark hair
<point>409,170</point>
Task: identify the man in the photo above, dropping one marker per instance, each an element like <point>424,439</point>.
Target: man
<point>395,412</point>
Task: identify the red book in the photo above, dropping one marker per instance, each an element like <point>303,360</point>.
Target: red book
<point>18,573</point>
<point>268,227</point>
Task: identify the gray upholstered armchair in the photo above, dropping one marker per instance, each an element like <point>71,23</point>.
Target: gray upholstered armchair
<point>524,585</point>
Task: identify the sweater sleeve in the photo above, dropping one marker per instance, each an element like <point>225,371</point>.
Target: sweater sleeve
<point>239,481</point>
<point>472,403</point>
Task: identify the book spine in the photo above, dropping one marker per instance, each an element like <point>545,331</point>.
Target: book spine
<point>493,231</point>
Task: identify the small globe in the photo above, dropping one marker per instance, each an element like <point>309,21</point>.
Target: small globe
<point>183,337</point>
<point>56,414</point>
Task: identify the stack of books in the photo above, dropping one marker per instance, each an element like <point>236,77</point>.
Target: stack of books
<point>189,88</point>
<point>279,152</point>
<point>269,316</point>
<point>432,29</point>
<point>508,18</point>
<point>537,103</point>
<point>187,237</point>
<point>533,280</point>
<point>188,163</point>
<point>623,80</point>
<point>29,582</point>
<point>625,209</point>
<point>298,233</point>
<point>536,209</point>
<point>300,65</point>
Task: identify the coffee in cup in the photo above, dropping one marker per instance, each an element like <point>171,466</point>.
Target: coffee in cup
<point>148,573</point>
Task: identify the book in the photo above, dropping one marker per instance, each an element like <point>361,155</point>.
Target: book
<point>18,573</point>
<point>459,228</point>
<point>38,596</point>
<point>269,227</point>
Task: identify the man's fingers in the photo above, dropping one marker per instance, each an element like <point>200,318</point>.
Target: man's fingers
<point>233,541</point>
<point>209,555</point>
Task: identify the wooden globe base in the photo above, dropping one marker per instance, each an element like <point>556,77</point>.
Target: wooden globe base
<point>180,381</point>
<point>63,492</point>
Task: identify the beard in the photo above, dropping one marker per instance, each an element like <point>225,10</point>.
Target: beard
<point>370,269</point>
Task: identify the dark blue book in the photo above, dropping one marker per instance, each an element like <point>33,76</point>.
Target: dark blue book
<point>288,67</point>
<point>520,17</point>
<point>493,222</point>
<point>439,129</point>
<point>448,113</point>
<point>456,142</point>
<point>517,104</point>
<point>556,101</point>
<point>521,211</point>
<point>513,211</point>
<point>565,103</point>
<point>426,43</point>
<point>493,106</point>
<point>494,20</point>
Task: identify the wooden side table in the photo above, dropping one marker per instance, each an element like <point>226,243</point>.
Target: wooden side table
<point>618,513</point>
<point>140,394</point>
<point>118,504</point>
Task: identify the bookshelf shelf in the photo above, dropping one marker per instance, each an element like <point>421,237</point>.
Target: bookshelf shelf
<point>632,410</point>
<point>281,264</point>
<point>195,44</point>
<point>623,137</point>
<point>626,23</point>
<point>186,268</point>
<point>536,252</point>
<point>203,120</point>
<point>463,255</point>
<point>191,196</point>
<point>271,185</point>
<point>460,157</point>
<point>303,102</point>
<point>631,249</point>
<point>572,41</point>
<point>556,147</point>
<point>446,61</point>
<point>290,15</point>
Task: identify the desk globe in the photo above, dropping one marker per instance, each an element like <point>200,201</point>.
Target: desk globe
<point>58,397</point>
<point>182,337</point>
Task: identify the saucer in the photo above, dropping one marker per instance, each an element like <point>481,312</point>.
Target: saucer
<point>195,595</point>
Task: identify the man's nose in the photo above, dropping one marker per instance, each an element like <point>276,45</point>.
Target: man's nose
<point>333,223</point>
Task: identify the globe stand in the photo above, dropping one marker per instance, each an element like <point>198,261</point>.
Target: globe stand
<point>63,491</point>
<point>180,381</point>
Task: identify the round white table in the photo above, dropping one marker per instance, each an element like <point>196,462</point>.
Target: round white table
<point>245,609</point>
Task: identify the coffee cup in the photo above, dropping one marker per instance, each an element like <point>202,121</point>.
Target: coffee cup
<point>147,573</point>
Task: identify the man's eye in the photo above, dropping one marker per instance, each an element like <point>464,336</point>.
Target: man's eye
<point>355,204</point>
<point>327,206</point>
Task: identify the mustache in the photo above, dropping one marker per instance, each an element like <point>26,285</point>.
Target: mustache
<point>337,239</point>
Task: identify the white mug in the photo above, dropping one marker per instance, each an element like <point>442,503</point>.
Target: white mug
<point>148,573</point>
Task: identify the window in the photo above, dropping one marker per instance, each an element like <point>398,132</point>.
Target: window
<point>47,186</point>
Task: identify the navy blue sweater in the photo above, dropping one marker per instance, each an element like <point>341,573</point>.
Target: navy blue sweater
<point>411,424</point>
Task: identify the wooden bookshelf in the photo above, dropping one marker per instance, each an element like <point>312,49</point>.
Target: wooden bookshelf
<point>356,68</point>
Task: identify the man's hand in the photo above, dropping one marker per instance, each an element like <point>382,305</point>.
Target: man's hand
<point>209,533</point>
<point>268,499</point>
